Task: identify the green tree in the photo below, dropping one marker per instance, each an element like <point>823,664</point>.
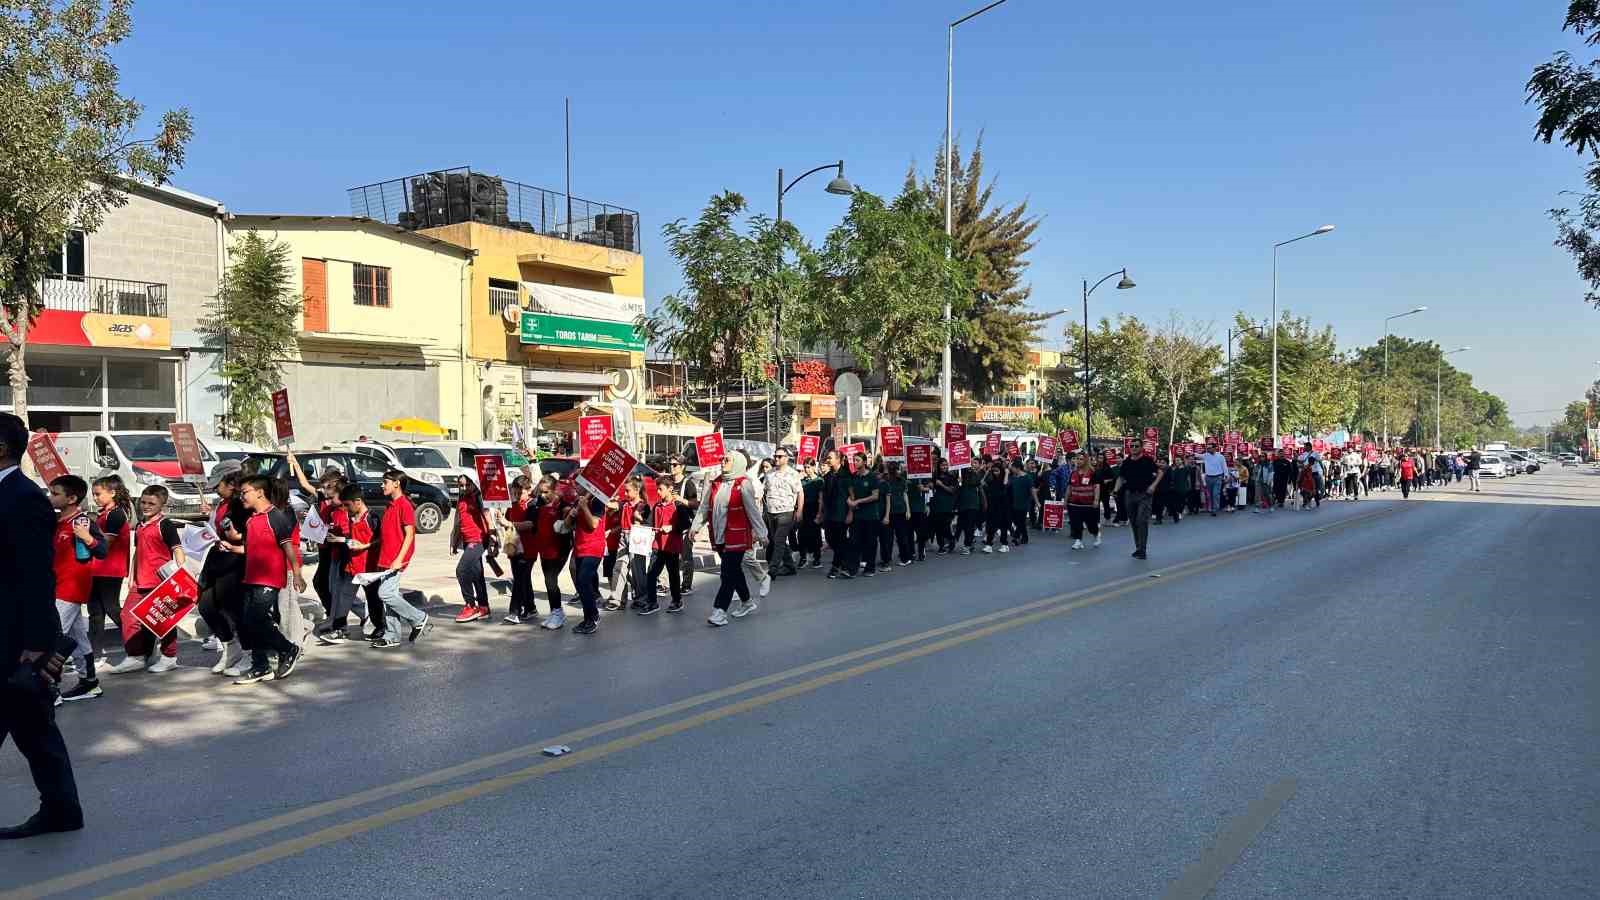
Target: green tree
<point>992,350</point>
<point>1180,355</point>
<point>879,286</point>
<point>252,322</point>
<point>1121,387</point>
<point>66,146</point>
<point>1567,94</point>
<point>736,279</point>
<point>1316,389</point>
<point>1406,397</point>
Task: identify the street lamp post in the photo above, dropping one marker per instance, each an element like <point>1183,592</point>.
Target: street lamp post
<point>1438,395</point>
<point>1088,420</point>
<point>1322,230</point>
<point>949,180</point>
<point>838,185</point>
<point>1231,335</point>
<point>1386,322</point>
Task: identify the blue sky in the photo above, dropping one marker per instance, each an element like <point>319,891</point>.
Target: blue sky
<point>1178,139</point>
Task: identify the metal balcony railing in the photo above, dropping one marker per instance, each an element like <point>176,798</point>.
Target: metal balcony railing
<point>453,196</point>
<point>113,296</point>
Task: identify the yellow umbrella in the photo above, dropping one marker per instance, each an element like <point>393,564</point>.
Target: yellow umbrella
<point>414,426</point>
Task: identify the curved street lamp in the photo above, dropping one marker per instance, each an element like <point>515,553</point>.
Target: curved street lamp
<point>1409,312</point>
<point>1322,229</point>
<point>1088,421</point>
<point>838,185</point>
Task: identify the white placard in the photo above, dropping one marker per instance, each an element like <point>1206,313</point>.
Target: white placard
<point>641,539</point>
<point>313,529</point>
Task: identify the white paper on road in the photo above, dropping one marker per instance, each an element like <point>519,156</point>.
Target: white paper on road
<point>640,539</point>
<point>313,529</point>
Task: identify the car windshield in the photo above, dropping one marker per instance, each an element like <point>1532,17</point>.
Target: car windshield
<point>421,458</point>
<point>146,447</point>
<point>560,468</point>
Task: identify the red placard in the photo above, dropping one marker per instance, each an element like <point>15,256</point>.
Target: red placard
<point>958,455</point>
<point>1054,514</point>
<point>491,468</point>
<point>1286,442</point>
<point>592,432</point>
<point>848,454</point>
<point>991,444</point>
<point>1318,445</point>
<point>1235,437</point>
<point>604,475</point>
<point>281,417</point>
<point>1047,448</point>
<point>1151,433</point>
<point>46,461</point>
<point>954,433</point>
<point>1068,440</point>
<point>892,443</point>
<point>810,444</point>
<point>1371,454</point>
<point>1149,447</point>
<point>919,461</point>
<point>1112,456</point>
<point>1010,450</point>
<point>164,607</point>
<point>710,449</point>
<point>1127,446</point>
<point>187,446</point>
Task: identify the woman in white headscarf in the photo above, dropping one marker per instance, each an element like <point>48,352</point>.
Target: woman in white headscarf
<point>732,509</point>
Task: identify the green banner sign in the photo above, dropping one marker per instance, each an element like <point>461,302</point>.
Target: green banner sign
<point>571,331</point>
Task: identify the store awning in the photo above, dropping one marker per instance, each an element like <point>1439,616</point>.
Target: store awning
<point>657,420</point>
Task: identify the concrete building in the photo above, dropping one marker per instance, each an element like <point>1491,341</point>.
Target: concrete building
<point>116,345</point>
<point>382,332</point>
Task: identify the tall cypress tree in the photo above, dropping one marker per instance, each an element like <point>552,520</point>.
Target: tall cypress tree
<point>997,330</point>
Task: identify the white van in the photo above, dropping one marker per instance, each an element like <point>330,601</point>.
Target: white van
<point>140,458</point>
<point>460,453</point>
<point>424,462</point>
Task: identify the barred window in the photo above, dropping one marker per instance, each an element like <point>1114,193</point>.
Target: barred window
<point>372,285</point>
<point>502,295</point>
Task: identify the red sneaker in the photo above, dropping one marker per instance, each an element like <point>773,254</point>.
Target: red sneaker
<point>470,614</point>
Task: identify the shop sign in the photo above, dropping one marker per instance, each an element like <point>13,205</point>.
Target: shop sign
<point>1008,413</point>
<point>569,331</point>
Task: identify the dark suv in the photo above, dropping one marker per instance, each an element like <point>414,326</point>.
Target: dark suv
<point>432,503</point>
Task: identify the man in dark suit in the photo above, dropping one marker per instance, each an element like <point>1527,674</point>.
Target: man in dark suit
<point>29,626</point>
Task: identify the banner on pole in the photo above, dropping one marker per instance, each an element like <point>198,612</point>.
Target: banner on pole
<point>892,443</point>
<point>281,420</point>
<point>919,461</point>
<point>491,469</point>
<point>604,474</point>
<point>592,432</point>
<point>46,461</point>
<point>187,448</point>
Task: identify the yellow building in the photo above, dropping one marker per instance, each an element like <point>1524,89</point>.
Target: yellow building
<point>556,285</point>
<point>383,327</point>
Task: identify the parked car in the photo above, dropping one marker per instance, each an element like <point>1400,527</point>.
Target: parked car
<point>1491,465</point>
<point>141,458</point>
<point>1524,462</point>
<point>461,453</point>
<point>224,449</point>
<point>421,462</point>
<point>1569,459</point>
<point>433,505</point>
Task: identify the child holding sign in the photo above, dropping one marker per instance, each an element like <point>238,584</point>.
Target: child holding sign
<point>78,543</point>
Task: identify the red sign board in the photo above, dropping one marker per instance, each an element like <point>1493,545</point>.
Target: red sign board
<point>958,455</point>
<point>1068,440</point>
<point>991,444</point>
<point>1235,437</point>
<point>891,442</point>
<point>1010,450</point>
<point>1127,446</point>
<point>281,417</point>
<point>1112,456</point>
<point>187,447</point>
<point>164,607</point>
<point>592,432</point>
<point>46,461</point>
<point>1149,447</point>
<point>919,461</point>
<point>1286,442</point>
<point>491,468</point>
<point>1152,434</point>
<point>1047,447</point>
<point>848,454</point>
<point>710,449</point>
<point>1054,514</point>
<point>954,433</point>
<point>1318,445</point>
<point>603,476</point>
<point>810,444</point>
<point>1371,454</point>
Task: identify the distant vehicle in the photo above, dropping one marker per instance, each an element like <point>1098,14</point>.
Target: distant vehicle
<point>1491,465</point>
<point>461,454</point>
<point>225,450</point>
<point>1496,447</point>
<point>432,504</point>
<point>141,458</point>
<point>424,463</point>
<point>1520,462</point>
<point>1569,459</point>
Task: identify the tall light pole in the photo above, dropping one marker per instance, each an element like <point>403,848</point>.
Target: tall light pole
<point>1438,395</point>
<point>1088,420</point>
<point>1322,230</point>
<point>1231,335</point>
<point>839,185</point>
<point>949,179</point>
<point>1410,312</point>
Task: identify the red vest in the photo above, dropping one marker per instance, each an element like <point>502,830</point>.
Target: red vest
<point>72,577</point>
<point>115,565</point>
<point>152,553</point>
<point>736,533</point>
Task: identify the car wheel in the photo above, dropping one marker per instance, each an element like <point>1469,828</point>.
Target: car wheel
<point>429,518</point>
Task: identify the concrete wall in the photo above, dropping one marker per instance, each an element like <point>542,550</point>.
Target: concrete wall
<point>335,398</point>
<point>154,238</point>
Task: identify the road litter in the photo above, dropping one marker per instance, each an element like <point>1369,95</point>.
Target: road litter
<point>558,750</point>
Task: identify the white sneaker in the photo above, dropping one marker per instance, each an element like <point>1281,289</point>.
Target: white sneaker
<point>556,621</point>
<point>740,609</point>
<point>131,664</point>
<point>766,584</point>
<point>987,548</point>
<point>164,664</point>
<point>717,619</point>
<point>239,666</point>
<point>1097,540</point>
<point>752,606</point>
<point>1077,545</point>
<point>221,663</point>
<point>211,644</point>
<point>1005,548</point>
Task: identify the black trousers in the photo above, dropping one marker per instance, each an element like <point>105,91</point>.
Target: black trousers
<point>662,561</point>
<point>375,610</point>
<point>1105,501</point>
<point>1139,518</point>
<point>839,542</point>
<point>939,524</point>
<point>780,556</point>
<point>900,530</point>
<point>732,572</point>
<point>997,525</point>
<point>552,580</point>
<point>1019,525</point>
<point>1080,518</point>
<point>864,539</point>
<point>810,539</point>
<point>522,587</point>
<point>261,624</point>
<point>1405,487</point>
<point>921,530</point>
<point>1166,502</point>
<point>29,718</point>
<point>968,527</point>
<point>214,605</point>
<point>320,582</point>
<point>105,602</point>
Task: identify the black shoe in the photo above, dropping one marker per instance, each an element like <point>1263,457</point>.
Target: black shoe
<point>675,606</point>
<point>845,575</point>
<point>85,689</point>
<point>834,573</point>
<point>383,643</point>
<point>286,664</point>
<point>586,627</point>
<point>420,630</point>
<point>868,573</point>
<point>649,609</point>
<point>253,676</point>
<point>1139,554</point>
<point>637,605</point>
<point>39,823</point>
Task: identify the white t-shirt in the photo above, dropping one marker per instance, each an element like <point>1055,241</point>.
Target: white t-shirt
<point>1216,463</point>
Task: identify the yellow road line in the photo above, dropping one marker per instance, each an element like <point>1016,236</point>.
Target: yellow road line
<point>1013,617</point>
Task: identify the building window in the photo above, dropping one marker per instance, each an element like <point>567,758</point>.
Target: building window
<point>69,260</point>
<point>372,285</point>
<point>502,295</point>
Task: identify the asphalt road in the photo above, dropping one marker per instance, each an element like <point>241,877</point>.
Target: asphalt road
<point>1377,699</point>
